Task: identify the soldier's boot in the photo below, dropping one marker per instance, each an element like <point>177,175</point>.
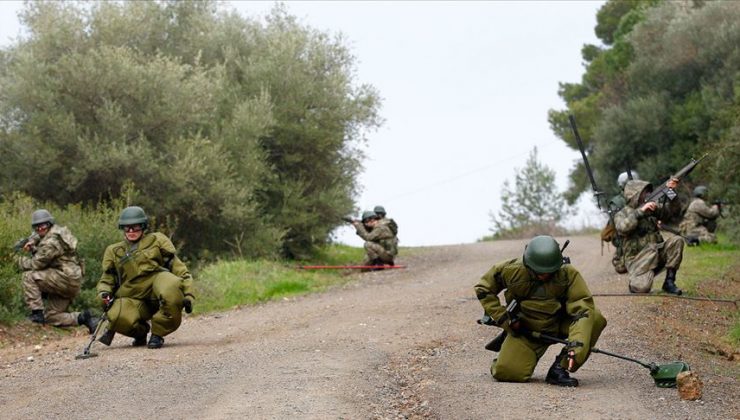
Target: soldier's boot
<point>557,375</point>
<point>140,340</point>
<point>85,318</point>
<point>37,316</point>
<point>669,285</point>
<point>155,342</point>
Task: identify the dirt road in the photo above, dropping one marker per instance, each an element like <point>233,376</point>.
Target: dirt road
<point>395,344</point>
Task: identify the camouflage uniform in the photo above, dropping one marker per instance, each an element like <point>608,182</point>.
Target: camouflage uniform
<point>561,306</point>
<point>149,282</point>
<point>615,204</point>
<point>392,225</point>
<point>646,252</point>
<point>700,221</point>
<point>54,272</point>
<point>381,245</point>
<point>671,215</point>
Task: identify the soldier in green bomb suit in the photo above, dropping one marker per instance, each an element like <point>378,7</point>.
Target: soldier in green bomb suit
<point>146,281</point>
<point>553,299</point>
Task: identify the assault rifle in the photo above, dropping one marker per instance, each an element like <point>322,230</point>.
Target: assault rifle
<point>597,192</point>
<point>33,238</point>
<point>349,220</point>
<point>665,191</point>
<point>719,203</point>
<point>511,315</point>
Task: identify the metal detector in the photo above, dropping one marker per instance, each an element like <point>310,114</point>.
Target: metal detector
<point>86,351</point>
<point>664,375</point>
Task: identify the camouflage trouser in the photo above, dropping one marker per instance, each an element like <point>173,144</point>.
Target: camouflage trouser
<point>703,234</point>
<point>375,251</point>
<point>59,291</point>
<point>651,260</point>
<point>519,355</point>
<point>163,307</point>
<point>618,262</point>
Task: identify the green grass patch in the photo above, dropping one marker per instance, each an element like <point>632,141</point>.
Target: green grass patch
<point>228,284</point>
<point>706,262</point>
<point>711,270</point>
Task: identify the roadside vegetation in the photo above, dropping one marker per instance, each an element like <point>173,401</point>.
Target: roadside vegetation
<point>713,270</point>
<point>228,284</point>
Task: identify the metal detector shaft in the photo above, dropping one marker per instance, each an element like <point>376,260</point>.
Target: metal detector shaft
<point>618,356</point>
<point>568,343</point>
<point>86,351</point>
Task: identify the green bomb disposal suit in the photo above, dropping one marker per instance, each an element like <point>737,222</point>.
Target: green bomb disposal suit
<point>153,284</point>
<point>561,306</point>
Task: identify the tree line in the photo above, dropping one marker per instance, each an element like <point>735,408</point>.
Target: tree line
<point>239,135</point>
<point>664,87</point>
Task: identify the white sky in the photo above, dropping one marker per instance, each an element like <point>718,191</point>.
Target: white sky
<point>466,87</point>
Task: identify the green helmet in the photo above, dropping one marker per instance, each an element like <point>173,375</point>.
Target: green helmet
<point>41,216</point>
<point>700,191</point>
<point>367,215</point>
<point>380,210</point>
<point>133,215</point>
<point>542,255</point>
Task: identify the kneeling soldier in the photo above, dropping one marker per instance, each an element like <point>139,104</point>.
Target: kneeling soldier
<point>146,281</point>
<point>553,299</point>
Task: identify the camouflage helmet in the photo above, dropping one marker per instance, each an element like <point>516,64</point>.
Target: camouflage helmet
<point>380,210</point>
<point>542,255</point>
<point>133,215</point>
<point>41,216</point>
<point>624,177</point>
<point>367,215</point>
<point>700,191</point>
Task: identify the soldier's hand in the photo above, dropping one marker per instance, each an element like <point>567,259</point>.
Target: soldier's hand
<point>649,207</point>
<point>187,304</point>
<point>515,326</point>
<point>106,298</point>
<point>28,246</point>
<point>571,360</point>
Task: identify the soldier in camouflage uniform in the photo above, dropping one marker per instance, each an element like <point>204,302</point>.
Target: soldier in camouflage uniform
<point>146,281</point>
<point>554,300</point>
<point>646,252</point>
<point>615,204</point>
<point>380,211</point>
<point>381,245</point>
<point>700,220</point>
<point>54,273</point>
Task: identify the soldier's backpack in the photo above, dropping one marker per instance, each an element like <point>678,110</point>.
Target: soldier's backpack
<point>609,232</point>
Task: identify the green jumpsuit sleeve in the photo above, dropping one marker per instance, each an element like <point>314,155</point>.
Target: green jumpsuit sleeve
<point>488,288</point>
<point>107,280</point>
<point>580,307</point>
<point>177,267</point>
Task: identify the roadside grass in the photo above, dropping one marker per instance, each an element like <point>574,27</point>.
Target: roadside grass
<point>228,284</point>
<point>713,270</point>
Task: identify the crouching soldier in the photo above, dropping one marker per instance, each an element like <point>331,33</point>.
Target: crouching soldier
<point>146,281</point>
<point>646,251</point>
<point>553,300</point>
<point>52,273</point>
<point>700,220</point>
<point>381,245</point>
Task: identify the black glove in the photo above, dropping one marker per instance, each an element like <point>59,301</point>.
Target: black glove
<point>187,304</point>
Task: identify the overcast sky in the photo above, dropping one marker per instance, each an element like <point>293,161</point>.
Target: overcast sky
<point>466,87</point>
